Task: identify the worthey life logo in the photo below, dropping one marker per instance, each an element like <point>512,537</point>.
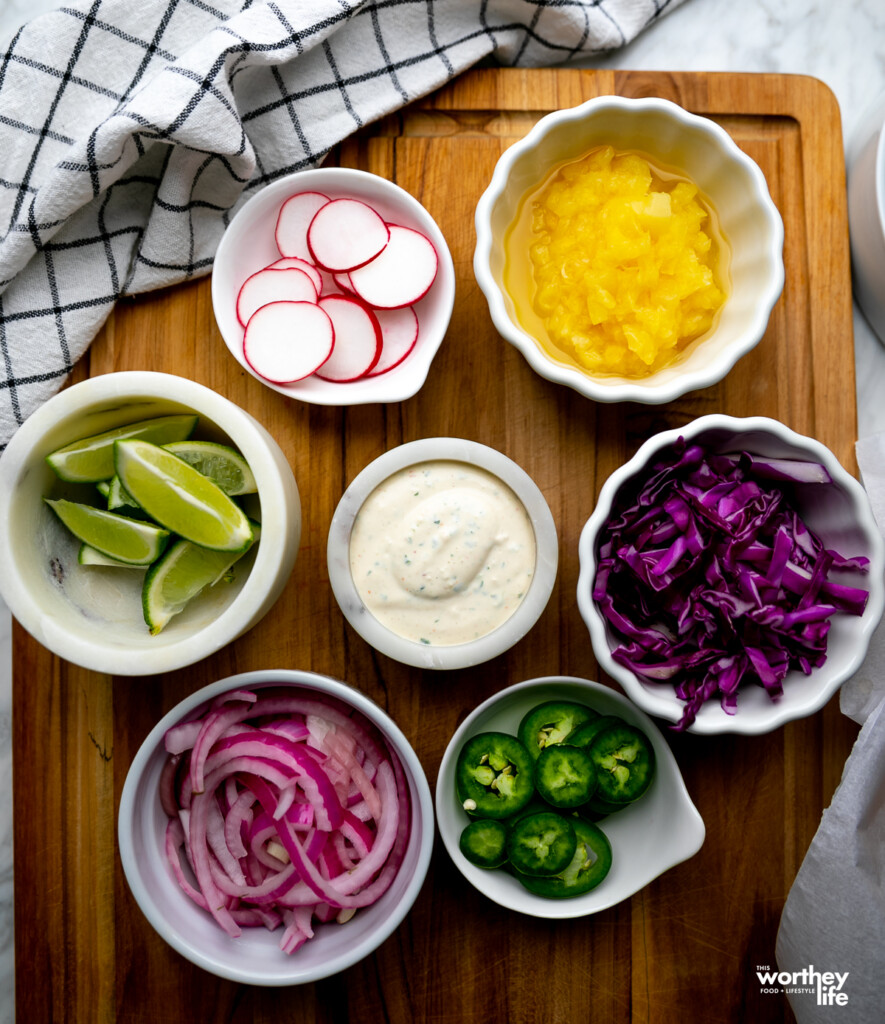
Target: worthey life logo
<point>826,986</point>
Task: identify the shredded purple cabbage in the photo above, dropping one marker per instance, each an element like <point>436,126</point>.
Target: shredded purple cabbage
<point>711,579</point>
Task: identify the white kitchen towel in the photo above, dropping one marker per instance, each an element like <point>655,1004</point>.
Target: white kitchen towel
<point>831,942</point>
<point>131,130</point>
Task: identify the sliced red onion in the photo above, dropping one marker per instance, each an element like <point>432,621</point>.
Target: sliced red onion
<point>249,696</point>
<point>168,800</point>
<point>286,809</point>
<point>294,728</point>
<point>344,857</point>
<point>200,853</point>
<point>308,775</point>
<point>218,845</point>
<point>174,845</point>
<point>238,818</point>
<point>360,809</point>
<point>339,750</point>
<point>213,726</point>
<point>182,737</point>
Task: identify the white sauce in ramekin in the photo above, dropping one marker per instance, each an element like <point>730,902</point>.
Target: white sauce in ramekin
<point>442,552</point>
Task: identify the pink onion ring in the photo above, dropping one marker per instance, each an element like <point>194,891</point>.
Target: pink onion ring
<point>284,810</point>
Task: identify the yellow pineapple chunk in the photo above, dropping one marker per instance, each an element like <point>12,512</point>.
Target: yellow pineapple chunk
<point>624,272</point>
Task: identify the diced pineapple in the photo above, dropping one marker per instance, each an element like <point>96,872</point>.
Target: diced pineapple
<point>656,206</point>
<point>624,272</point>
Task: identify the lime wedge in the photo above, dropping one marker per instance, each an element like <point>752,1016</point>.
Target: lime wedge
<point>221,463</point>
<point>92,458</point>
<point>180,498</point>
<point>117,496</point>
<point>118,537</point>
<point>90,556</point>
<point>183,572</point>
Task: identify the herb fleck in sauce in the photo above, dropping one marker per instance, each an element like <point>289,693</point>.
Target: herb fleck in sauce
<point>442,553</point>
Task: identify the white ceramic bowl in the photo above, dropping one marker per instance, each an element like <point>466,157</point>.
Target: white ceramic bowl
<point>248,245</point>
<point>455,656</point>
<point>672,138</point>
<point>255,958</point>
<point>92,616</point>
<point>866,214</point>
<point>839,512</point>
<point>660,830</point>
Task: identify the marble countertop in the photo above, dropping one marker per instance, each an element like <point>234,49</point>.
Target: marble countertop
<point>841,44</point>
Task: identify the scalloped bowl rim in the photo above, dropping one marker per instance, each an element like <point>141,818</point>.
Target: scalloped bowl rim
<point>664,805</point>
<point>648,391</point>
<point>132,822</point>
<point>434,309</point>
<point>659,700</point>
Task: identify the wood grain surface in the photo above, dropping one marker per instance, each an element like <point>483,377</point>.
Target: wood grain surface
<point>686,948</point>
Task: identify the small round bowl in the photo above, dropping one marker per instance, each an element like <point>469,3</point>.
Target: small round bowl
<point>92,616</point>
<point>839,512</point>
<point>673,139</point>
<point>866,214</point>
<point>660,830</point>
<point>248,245</point>
<point>476,651</point>
<point>255,957</point>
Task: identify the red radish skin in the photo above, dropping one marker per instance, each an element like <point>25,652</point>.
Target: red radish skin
<point>342,281</point>
<point>293,220</point>
<point>285,342</point>
<point>399,335</point>
<point>330,283</point>
<point>264,286</point>
<point>357,339</point>
<point>379,268</point>
<point>295,262</point>
<point>346,233</point>
<point>401,274</point>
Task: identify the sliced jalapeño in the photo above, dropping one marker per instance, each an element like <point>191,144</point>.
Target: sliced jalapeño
<point>565,775</point>
<point>541,844</point>
<point>550,723</point>
<point>493,775</point>
<point>588,867</point>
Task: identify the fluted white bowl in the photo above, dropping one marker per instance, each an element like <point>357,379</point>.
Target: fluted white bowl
<point>248,245</point>
<point>672,138</point>
<point>839,512</point>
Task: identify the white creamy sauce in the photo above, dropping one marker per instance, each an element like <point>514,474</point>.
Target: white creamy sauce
<point>442,553</point>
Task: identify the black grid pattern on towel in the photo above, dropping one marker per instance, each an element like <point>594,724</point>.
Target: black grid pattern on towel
<point>130,133</point>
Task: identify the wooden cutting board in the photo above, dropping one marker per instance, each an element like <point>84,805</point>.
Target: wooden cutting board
<point>687,946</point>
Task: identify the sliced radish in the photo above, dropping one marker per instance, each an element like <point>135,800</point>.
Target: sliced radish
<point>290,285</point>
<point>342,280</point>
<point>294,217</point>
<point>399,333</point>
<point>287,341</point>
<point>297,263</point>
<point>346,233</point>
<point>339,300</point>
<point>330,284</point>
<point>357,339</point>
<point>402,272</point>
